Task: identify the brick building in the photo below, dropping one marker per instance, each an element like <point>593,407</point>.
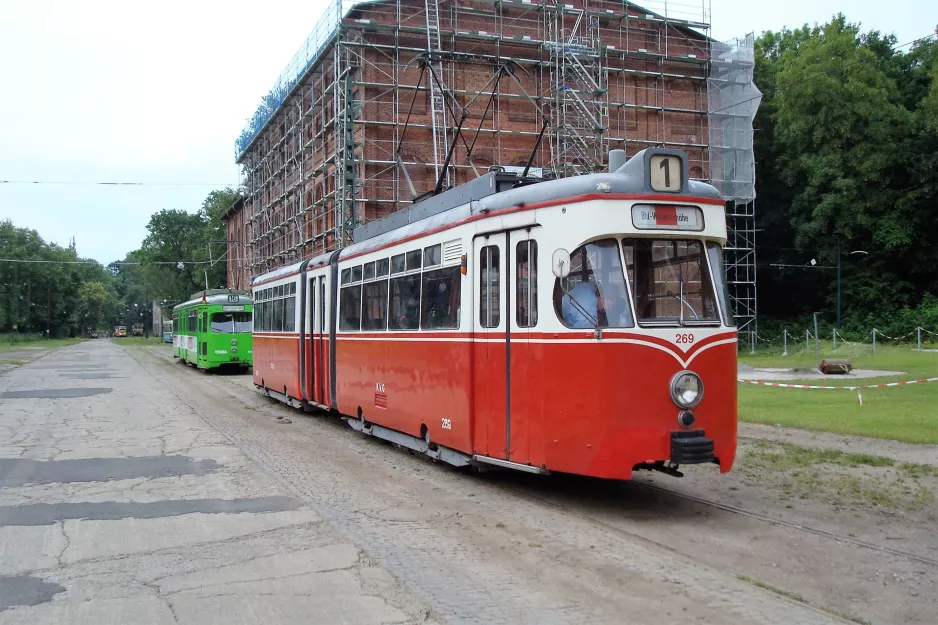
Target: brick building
<point>362,120</point>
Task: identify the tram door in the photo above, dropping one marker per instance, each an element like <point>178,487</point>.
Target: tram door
<point>504,291</point>
<point>522,359</point>
<point>316,351</point>
<point>490,392</point>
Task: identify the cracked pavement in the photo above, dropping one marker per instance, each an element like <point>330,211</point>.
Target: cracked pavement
<point>120,504</point>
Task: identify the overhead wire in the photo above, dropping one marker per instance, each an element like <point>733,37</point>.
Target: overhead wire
<point>122,183</point>
<point>94,262</point>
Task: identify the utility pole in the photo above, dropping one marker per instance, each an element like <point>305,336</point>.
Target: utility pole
<point>838,282</point>
<point>146,302</point>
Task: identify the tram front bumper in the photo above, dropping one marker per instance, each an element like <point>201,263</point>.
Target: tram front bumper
<point>691,447</point>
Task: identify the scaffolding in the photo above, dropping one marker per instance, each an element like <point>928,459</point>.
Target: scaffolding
<point>364,119</point>
<point>733,99</point>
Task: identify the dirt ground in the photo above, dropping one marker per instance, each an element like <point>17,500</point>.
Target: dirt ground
<point>897,450</point>
<point>849,532</point>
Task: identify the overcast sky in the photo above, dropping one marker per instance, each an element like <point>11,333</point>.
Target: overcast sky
<point>112,91</point>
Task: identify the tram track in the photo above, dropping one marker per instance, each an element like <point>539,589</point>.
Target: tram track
<point>571,509</point>
<point>795,526</point>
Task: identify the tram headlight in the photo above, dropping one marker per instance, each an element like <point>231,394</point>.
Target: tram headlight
<point>686,389</point>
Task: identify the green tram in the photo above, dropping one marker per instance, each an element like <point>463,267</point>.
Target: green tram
<point>213,329</point>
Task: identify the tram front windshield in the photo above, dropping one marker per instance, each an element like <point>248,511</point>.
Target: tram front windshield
<point>670,280</point>
<point>231,322</point>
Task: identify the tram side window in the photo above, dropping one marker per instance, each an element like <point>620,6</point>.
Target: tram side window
<point>375,305</point>
<point>594,294</point>
<point>488,287</point>
<point>413,260</point>
<point>440,304</point>
<point>268,316</point>
<point>715,253</point>
<point>278,316</point>
<point>192,322</point>
<point>350,308</point>
<point>258,316</point>
<point>289,314</point>
<point>404,303</point>
<point>526,281</point>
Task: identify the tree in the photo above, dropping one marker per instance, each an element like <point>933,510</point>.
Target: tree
<point>94,305</point>
<point>846,150</point>
<point>39,289</point>
<point>174,237</point>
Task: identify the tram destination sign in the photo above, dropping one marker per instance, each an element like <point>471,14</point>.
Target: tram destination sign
<point>232,308</point>
<point>667,217</point>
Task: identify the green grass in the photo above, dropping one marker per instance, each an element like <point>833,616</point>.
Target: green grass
<point>7,346</point>
<point>837,478</point>
<point>780,456</point>
<point>906,413</point>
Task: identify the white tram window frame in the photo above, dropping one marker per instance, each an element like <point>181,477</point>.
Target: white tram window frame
<point>433,256</point>
<point>346,306</point>
<point>704,266</point>
<point>382,267</point>
<point>346,276</point>
<point>369,297</point>
<point>583,306</point>
<point>412,258</point>
<point>489,299</point>
<point>526,287</point>
<point>397,259</point>
<point>720,282</point>
<point>368,272</point>
<point>356,274</point>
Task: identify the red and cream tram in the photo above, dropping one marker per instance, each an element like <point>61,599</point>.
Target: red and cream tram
<point>579,325</point>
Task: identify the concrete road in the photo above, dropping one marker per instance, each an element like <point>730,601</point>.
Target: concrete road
<point>135,489</point>
<point>120,504</point>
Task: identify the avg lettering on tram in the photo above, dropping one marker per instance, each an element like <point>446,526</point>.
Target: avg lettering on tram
<point>579,325</point>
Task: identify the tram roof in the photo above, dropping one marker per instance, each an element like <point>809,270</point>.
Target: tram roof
<point>216,298</point>
<point>496,191</point>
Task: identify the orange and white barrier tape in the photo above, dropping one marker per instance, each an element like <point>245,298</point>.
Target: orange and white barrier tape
<point>841,388</point>
<point>858,389</point>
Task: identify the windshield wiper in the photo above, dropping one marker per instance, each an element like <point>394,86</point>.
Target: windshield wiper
<point>593,320</point>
